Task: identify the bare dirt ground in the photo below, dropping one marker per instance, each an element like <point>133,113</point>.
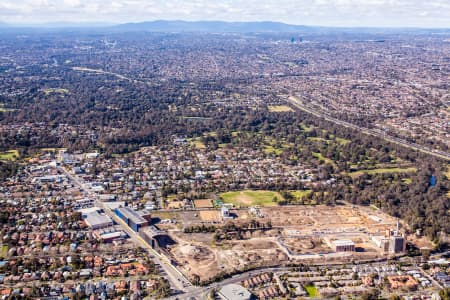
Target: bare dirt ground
<point>301,229</point>
<point>421,242</point>
<point>209,215</point>
<point>174,204</point>
<point>305,245</point>
<point>203,203</point>
<point>196,254</point>
<point>194,259</point>
<point>329,218</point>
<point>242,254</point>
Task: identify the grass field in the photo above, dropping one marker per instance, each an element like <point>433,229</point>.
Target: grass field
<point>300,193</point>
<point>199,145</point>
<point>306,128</point>
<point>4,250</point>
<point>251,198</point>
<point>196,118</point>
<point>57,91</point>
<point>272,150</point>
<point>279,108</point>
<point>311,290</point>
<point>2,109</point>
<point>9,155</point>
<point>212,133</point>
<point>316,139</point>
<point>342,141</point>
<point>197,142</point>
<point>407,180</point>
<point>447,174</point>
<point>320,157</point>
<point>382,171</point>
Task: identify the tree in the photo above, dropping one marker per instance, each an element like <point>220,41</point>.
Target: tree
<point>394,297</point>
<point>370,295</point>
<point>445,294</point>
<point>195,279</point>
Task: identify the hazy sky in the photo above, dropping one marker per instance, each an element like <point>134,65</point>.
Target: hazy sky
<point>420,13</point>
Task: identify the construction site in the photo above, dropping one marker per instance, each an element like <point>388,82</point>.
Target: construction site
<point>278,235</point>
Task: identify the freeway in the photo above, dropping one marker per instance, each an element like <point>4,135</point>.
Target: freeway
<point>175,277</point>
<point>296,102</point>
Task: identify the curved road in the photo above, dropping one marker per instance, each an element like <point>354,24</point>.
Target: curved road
<point>296,102</point>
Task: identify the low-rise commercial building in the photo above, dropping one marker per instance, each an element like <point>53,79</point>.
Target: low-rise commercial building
<point>95,220</point>
<point>234,292</point>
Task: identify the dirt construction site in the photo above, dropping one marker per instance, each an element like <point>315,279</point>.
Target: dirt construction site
<point>297,233</point>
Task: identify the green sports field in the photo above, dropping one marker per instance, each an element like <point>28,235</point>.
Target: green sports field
<point>251,197</point>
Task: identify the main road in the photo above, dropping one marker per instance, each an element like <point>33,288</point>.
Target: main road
<point>203,292</point>
<point>175,277</point>
<point>296,102</point>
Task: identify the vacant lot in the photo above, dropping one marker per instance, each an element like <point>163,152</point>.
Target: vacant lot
<point>250,198</point>
<point>9,155</point>
<point>299,230</point>
<point>279,108</point>
<point>175,204</point>
<point>196,254</point>
<point>209,215</point>
<point>203,203</point>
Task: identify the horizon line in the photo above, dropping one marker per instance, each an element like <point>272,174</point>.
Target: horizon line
<point>85,24</point>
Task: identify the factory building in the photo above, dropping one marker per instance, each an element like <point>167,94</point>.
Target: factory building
<point>381,242</point>
<point>343,246</point>
<point>397,244</point>
<point>393,241</point>
<point>132,218</point>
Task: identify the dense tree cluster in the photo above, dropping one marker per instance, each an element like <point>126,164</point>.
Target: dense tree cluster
<point>95,108</point>
<point>7,169</point>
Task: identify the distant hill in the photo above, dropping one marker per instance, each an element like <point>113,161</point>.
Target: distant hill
<point>210,26</point>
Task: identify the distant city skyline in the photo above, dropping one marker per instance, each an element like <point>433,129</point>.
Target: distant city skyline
<point>336,13</point>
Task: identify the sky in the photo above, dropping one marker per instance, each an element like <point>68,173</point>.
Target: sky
<point>348,13</point>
